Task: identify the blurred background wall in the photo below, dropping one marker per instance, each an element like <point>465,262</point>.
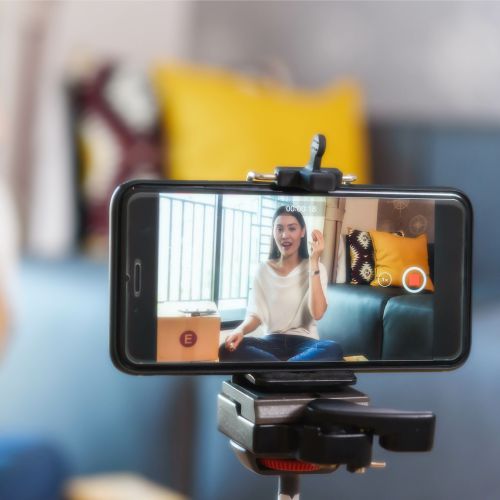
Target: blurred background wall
<point>424,67</point>
<point>434,61</point>
<point>429,73</point>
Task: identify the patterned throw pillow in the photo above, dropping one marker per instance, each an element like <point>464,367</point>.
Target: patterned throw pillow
<point>117,138</point>
<point>361,255</point>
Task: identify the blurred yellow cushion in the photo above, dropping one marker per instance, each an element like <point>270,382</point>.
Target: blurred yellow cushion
<point>394,254</point>
<point>220,125</point>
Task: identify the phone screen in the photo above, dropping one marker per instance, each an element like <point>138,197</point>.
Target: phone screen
<point>272,278</point>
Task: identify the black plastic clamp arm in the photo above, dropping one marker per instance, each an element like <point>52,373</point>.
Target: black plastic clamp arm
<point>311,177</point>
<point>397,430</point>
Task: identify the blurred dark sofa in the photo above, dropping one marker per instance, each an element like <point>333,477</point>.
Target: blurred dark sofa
<point>373,322</point>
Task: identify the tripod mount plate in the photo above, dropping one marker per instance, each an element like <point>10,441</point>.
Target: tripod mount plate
<point>260,406</point>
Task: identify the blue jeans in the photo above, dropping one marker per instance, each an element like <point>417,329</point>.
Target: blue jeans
<point>282,347</point>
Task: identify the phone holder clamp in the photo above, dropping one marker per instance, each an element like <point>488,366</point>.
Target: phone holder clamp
<point>311,178</point>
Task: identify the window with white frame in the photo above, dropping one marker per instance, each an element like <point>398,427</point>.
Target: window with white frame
<point>210,246</point>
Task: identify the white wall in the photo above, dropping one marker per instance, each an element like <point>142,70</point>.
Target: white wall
<point>416,60</point>
<point>360,213</point>
<point>10,15</point>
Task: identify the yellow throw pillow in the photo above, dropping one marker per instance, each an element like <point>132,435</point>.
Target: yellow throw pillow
<point>220,125</point>
<point>395,254</point>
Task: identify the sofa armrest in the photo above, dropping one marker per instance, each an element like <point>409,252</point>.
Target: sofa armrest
<point>409,327</point>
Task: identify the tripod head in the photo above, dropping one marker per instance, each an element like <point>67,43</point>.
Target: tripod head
<point>312,423</point>
<point>321,425</point>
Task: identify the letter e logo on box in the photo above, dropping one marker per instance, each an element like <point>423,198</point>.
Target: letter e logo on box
<point>188,338</point>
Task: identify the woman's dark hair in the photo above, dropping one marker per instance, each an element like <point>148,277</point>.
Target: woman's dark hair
<point>289,210</point>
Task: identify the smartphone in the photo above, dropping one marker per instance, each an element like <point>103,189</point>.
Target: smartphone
<point>239,277</point>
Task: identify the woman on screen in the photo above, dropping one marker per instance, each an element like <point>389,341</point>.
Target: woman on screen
<point>287,298</point>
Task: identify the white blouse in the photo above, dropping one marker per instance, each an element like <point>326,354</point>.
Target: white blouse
<point>282,302</point>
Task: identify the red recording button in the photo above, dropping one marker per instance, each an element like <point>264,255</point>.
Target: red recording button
<point>414,279</point>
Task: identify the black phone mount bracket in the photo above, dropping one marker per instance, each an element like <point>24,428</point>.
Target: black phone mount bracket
<point>312,177</point>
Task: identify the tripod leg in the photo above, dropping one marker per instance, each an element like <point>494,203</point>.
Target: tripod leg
<point>288,487</point>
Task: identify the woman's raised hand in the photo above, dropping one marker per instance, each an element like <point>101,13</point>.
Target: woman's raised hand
<point>233,341</point>
<point>317,245</point>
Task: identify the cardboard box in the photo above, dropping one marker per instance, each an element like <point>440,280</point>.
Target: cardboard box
<point>188,338</point>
